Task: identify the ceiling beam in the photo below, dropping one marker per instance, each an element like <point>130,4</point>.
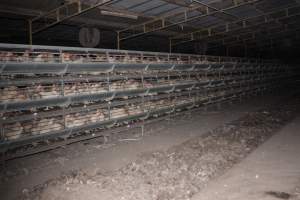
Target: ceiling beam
<point>216,9</point>
<point>259,37</point>
<point>267,37</point>
<point>158,25</point>
<point>62,13</point>
<point>208,32</point>
<point>263,12</point>
<point>112,9</point>
<point>25,13</point>
<point>186,3</point>
<point>266,30</point>
<point>31,13</point>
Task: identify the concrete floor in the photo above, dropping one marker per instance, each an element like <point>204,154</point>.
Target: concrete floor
<point>274,167</point>
<point>94,157</point>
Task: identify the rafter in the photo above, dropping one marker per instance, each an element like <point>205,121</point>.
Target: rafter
<point>62,13</point>
<point>161,23</point>
<point>271,35</point>
<point>263,12</point>
<point>113,9</point>
<point>208,32</point>
<point>216,9</point>
<point>183,3</point>
<point>251,34</point>
<point>270,42</point>
<point>31,13</point>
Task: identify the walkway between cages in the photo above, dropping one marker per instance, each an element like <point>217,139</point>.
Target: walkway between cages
<point>93,156</point>
<point>271,172</point>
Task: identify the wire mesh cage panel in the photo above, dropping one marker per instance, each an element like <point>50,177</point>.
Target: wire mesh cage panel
<point>48,92</point>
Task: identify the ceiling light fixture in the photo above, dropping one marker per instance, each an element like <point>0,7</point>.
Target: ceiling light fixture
<point>118,14</point>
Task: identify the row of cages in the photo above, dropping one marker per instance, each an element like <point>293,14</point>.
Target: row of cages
<point>53,54</point>
<point>28,89</point>
<point>41,100</point>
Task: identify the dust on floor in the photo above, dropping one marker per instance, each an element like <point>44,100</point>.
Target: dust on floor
<point>177,173</point>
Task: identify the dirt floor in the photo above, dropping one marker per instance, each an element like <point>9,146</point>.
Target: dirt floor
<point>175,159</point>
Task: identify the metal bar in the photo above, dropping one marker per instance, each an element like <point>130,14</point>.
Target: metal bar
<point>67,100</point>
<point>179,2</point>
<point>185,105</point>
<point>86,50</point>
<point>177,23</point>
<point>30,31</point>
<point>237,21</point>
<point>58,20</point>
<point>264,45</point>
<point>221,11</point>
<point>97,134</point>
<point>31,13</point>
<point>193,38</point>
<point>213,88</point>
<point>237,37</point>
<point>271,39</point>
<point>260,11</point>
<point>257,31</point>
<point>216,9</point>
<point>118,40</point>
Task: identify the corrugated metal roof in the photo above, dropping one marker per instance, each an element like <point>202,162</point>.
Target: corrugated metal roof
<point>148,10</point>
<point>33,4</point>
<point>206,22</point>
<point>244,11</point>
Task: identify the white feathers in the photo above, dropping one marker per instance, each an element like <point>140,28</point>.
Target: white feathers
<point>13,131</point>
<point>12,93</point>
<point>80,119</point>
<point>118,112</point>
<point>45,126</point>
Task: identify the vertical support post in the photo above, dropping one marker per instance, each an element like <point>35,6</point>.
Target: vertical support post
<point>272,48</point>
<point>79,6</point>
<point>170,45</point>
<point>64,107</point>
<point>143,128</point>
<point>227,50</point>
<point>118,40</point>
<point>2,135</point>
<point>209,31</point>
<point>163,23</point>
<point>235,3</point>
<point>30,31</point>
<point>2,154</point>
<point>2,165</point>
<point>57,15</point>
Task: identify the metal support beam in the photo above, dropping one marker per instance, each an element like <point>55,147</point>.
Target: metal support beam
<point>245,50</point>
<point>63,13</point>
<point>118,40</point>
<point>267,32</point>
<point>78,20</point>
<point>257,41</point>
<point>156,25</point>
<point>216,9</point>
<point>203,34</point>
<point>30,31</point>
<point>263,12</point>
<point>179,2</point>
<point>232,16</point>
<point>267,44</point>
